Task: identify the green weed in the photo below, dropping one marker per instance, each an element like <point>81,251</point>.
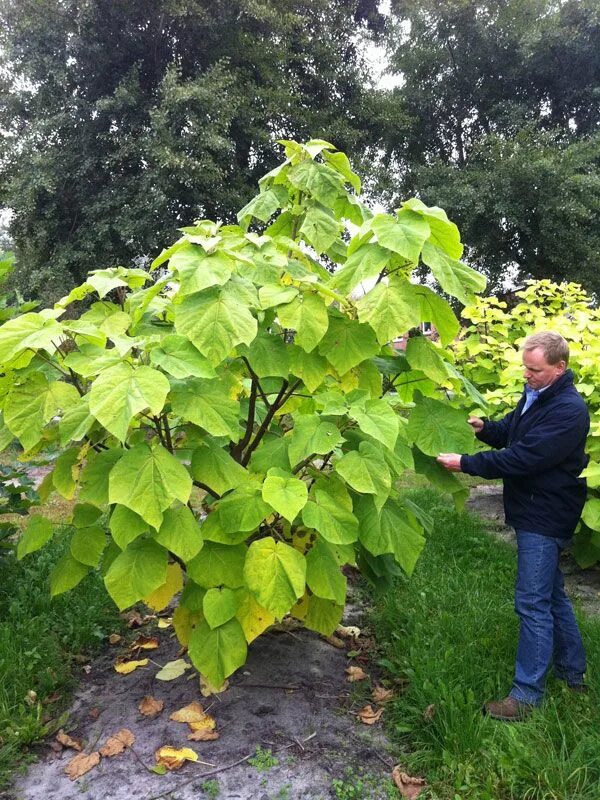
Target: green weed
<point>263,759</point>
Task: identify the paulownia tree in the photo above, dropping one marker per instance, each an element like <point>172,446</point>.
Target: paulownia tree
<point>221,422</point>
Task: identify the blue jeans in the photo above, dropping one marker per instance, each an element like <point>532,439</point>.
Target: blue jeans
<point>548,629</point>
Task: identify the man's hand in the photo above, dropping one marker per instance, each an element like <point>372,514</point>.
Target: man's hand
<point>451,461</point>
<point>476,424</point>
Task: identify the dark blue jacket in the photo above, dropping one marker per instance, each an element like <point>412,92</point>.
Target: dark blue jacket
<point>539,456</point>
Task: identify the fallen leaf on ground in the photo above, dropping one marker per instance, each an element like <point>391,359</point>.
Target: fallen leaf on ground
<point>410,788</point>
<point>135,620</point>
<point>207,723</point>
<point>335,641</point>
<point>68,741</point>
<point>94,713</point>
<point>87,669</point>
<point>203,735</point>
<point>429,712</point>
<point>125,667</point>
<point>190,713</point>
<point>114,638</point>
<point>164,622</point>
<point>172,670</point>
<point>172,758</point>
<point>145,643</point>
<point>348,631</point>
<point>355,674</point>
<point>381,695</point>
<point>150,707</point>
<point>81,764</point>
<point>369,716</point>
<point>52,698</point>
<point>207,688</point>
<point>117,743</point>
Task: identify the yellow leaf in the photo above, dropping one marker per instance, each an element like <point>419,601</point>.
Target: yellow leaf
<point>125,667</point>
<point>172,670</point>
<point>117,743</point>
<point>114,638</point>
<point>184,622</point>
<point>300,610</point>
<point>161,597</point>
<point>207,723</point>
<point>355,674</point>
<point>172,758</point>
<point>150,707</point>
<point>348,382</point>
<point>190,713</point>
<point>253,618</point>
<point>203,735</point>
<point>164,622</point>
<point>145,643</point>
<point>81,764</point>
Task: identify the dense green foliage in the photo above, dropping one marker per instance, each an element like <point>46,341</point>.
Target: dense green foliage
<point>449,636</point>
<point>488,353</point>
<point>122,121</point>
<point>247,369</point>
<point>498,121</point>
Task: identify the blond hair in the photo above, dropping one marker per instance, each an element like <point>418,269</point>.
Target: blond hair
<point>552,344</point>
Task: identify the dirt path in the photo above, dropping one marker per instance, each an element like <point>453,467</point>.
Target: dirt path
<point>582,584</point>
<point>310,727</point>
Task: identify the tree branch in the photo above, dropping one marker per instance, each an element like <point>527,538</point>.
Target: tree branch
<point>206,488</point>
<point>238,449</point>
<point>279,401</point>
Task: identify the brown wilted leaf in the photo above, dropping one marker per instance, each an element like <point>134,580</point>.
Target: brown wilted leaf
<point>203,735</point>
<point>52,698</point>
<point>87,669</point>
<point>133,618</point>
<point>355,674</point>
<point>94,713</point>
<point>429,712</point>
<point>381,695</point>
<point>114,638</point>
<point>173,758</point>
<point>369,716</point>
<point>335,641</point>
<point>68,741</point>
<point>145,643</point>
<point>150,707</point>
<point>81,764</point>
<point>125,667</point>
<point>348,631</point>
<point>190,713</point>
<point>117,743</point>
<point>409,787</point>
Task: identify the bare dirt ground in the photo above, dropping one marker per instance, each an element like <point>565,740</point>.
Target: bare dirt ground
<point>583,585</point>
<point>292,698</point>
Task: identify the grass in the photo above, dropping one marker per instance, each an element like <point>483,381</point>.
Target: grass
<point>39,639</point>
<point>451,632</point>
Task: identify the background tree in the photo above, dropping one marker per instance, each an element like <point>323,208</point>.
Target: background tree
<point>497,120</point>
<point>123,120</point>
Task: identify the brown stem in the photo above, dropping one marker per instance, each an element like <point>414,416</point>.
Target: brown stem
<point>238,449</point>
<point>254,376</point>
<point>206,488</point>
<point>159,430</point>
<point>279,401</point>
<point>168,438</point>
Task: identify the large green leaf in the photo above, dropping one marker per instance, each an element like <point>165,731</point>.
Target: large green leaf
<point>366,262</point>
<point>323,616</point>
<point>323,574</point>
<point>217,653</point>
<point>454,277</point>
<point>136,572</point>
<point>28,332</point>
<point>219,606</point>
<point>437,311</point>
<point>421,354</point>
<point>307,315</point>
<point>39,530</point>
<point>378,419</point>
<point>31,405</point>
<point>76,422</point>
<point>268,355</point>
<point>311,368</point>
<point>178,356</point>
<point>218,565</point>
<point>87,545</point>
<point>125,526</point>
<point>272,452</point>
<point>198,271</point>
<point>263,206</point>
<point>318,181</point>
<point>389,310</point>
<point>285,493</point>
<point>243,509</point>
<point>66,574</point>
<point>347,343</point>
<point>591,513</point>
<point>94,476</point>
<point>214,467</point>
<point>329,511</point>
<point>180,533</point>
<point>275,295</point>
<point>275,573</point>
<point>147,480</point>
<point>121,392</point>
<point>90,360</point>
<point>320,228</point>
<point>444,234</point>
<point>207,404</point>
<point>436,428</point>
<point>215,321</point>
<point>312,435</point>
<point>404,235</point>
<point>440,478</point>
<point>366,471</point>
<point>391,530</point>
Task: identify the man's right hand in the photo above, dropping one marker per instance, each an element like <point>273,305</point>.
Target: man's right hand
<point>476,423</point>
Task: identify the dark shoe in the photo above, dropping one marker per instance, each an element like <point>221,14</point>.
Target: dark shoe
<point>508,710</point>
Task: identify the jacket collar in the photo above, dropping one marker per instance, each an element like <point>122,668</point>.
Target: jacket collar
<point>565,380</point>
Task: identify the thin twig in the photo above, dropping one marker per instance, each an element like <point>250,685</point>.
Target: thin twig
<point>197,777</point>
<point>268,686</point>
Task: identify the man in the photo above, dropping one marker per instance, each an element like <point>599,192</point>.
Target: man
<point>539,454</point>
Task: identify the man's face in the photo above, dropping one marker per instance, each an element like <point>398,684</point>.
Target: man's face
<point>536,370</point>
